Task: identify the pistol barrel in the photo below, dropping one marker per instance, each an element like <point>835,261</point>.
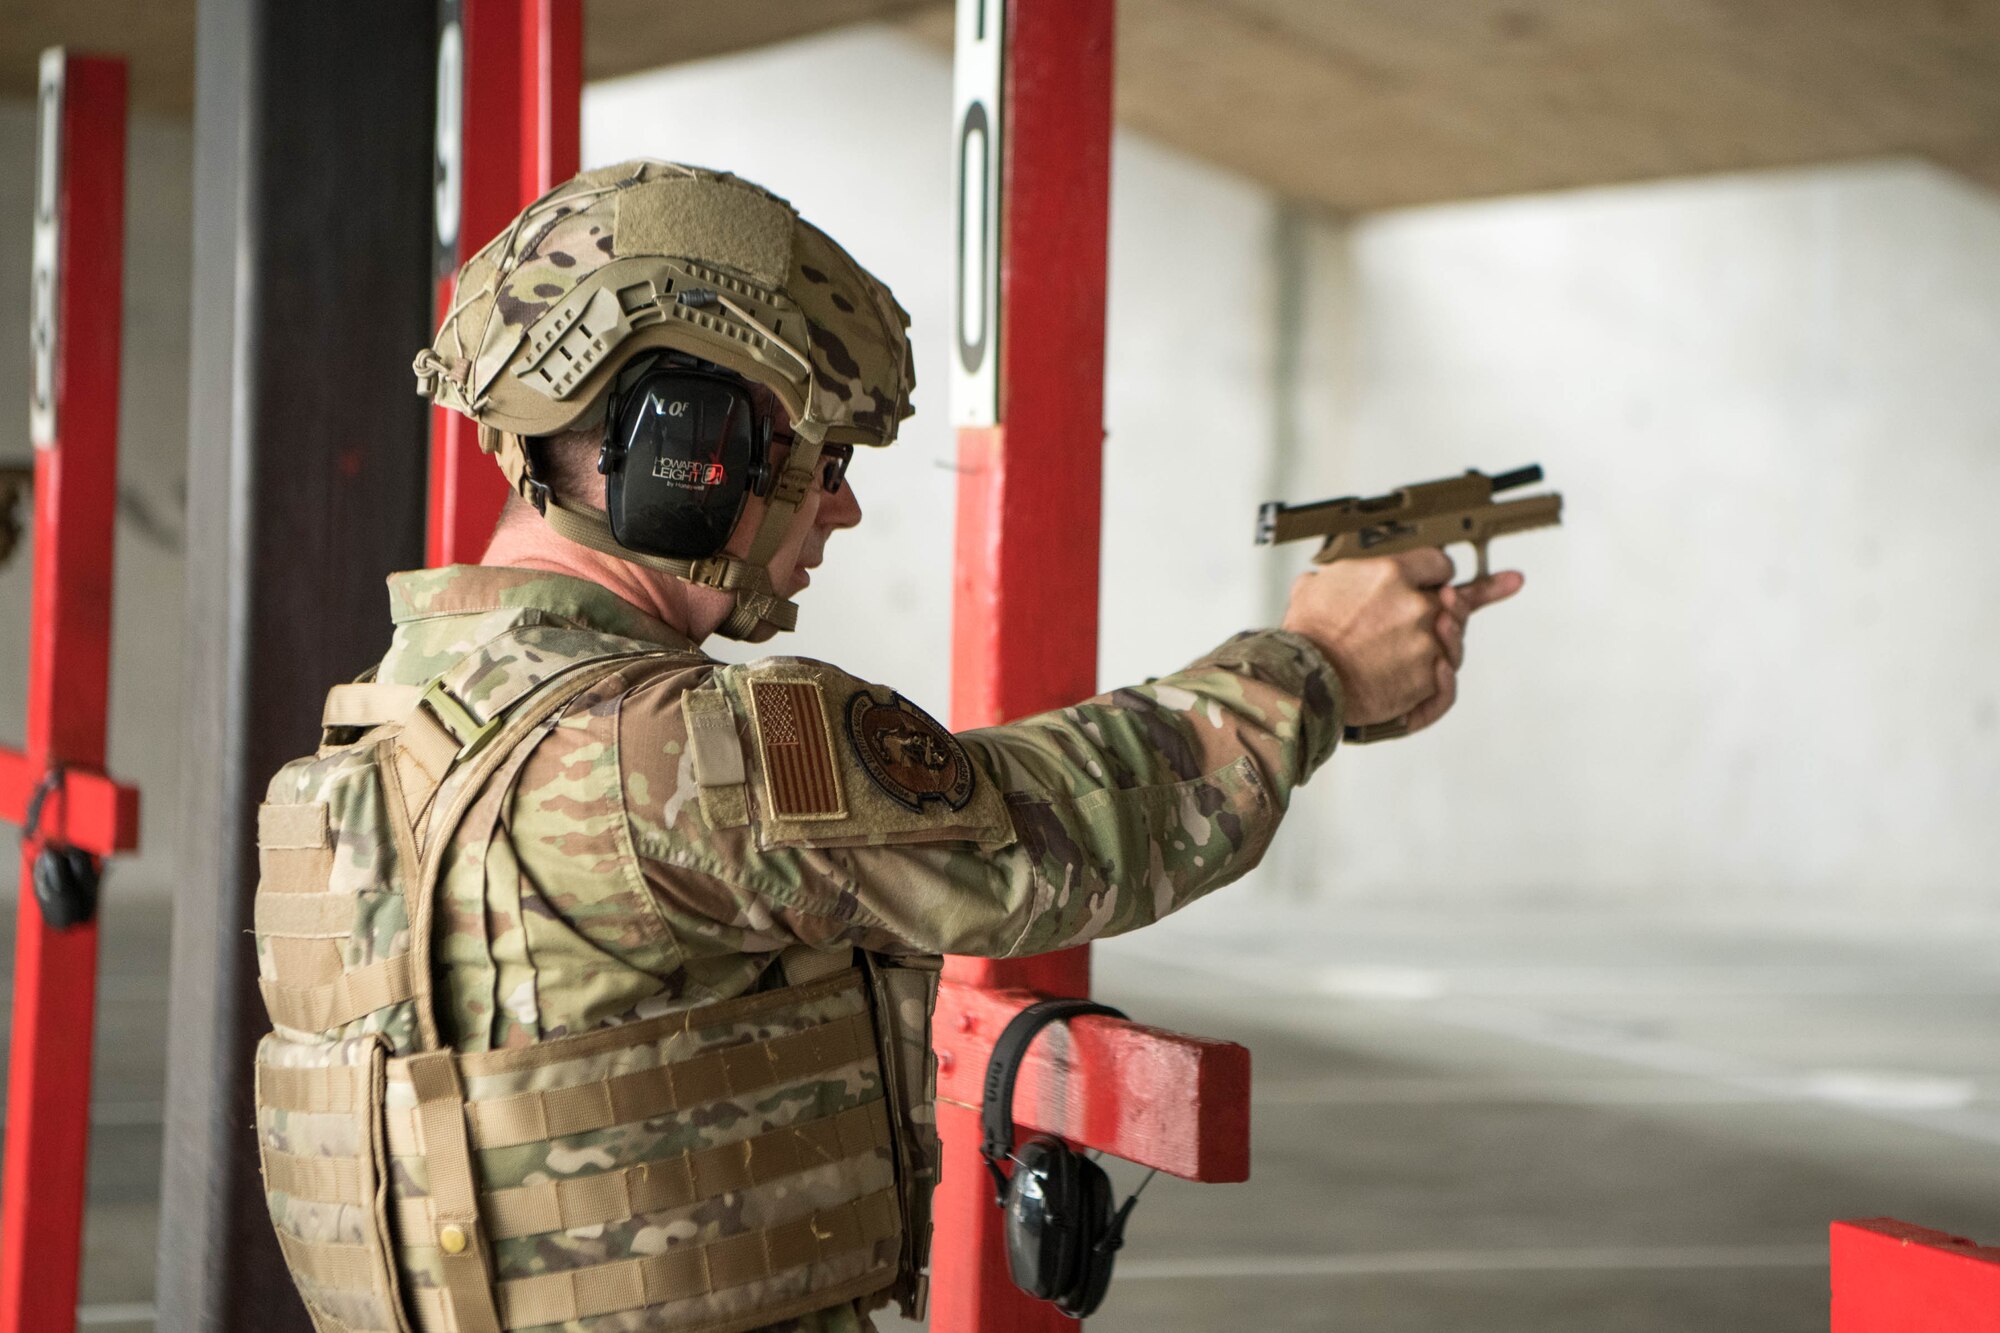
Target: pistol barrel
<point>1520,476</point>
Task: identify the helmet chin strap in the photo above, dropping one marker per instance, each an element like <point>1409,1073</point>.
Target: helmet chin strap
<point>759,612</point>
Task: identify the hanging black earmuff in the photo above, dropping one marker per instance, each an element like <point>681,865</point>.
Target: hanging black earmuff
<point>1062,1232</point>
<point>66,879</point>
<point>685,446</point>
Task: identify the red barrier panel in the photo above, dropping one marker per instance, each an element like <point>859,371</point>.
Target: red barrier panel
<point>1891,1277</point>
<point>79,279</point>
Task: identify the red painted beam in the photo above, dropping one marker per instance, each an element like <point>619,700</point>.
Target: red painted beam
<point>1158,1098</point>
<point>95,813</point>
<point>82,189</point>
<point>1891,1277</point>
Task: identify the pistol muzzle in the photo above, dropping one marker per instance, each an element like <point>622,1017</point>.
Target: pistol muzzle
<point>1520,476</point>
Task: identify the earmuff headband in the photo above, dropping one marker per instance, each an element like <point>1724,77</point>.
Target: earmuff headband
<point>1003,1067</point>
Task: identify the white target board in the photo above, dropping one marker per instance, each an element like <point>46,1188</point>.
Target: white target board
<point>976,86</point>
<point>448,162</point>
<point>42,299</point>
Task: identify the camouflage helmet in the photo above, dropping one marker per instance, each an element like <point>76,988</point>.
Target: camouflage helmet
<point>645,255</point>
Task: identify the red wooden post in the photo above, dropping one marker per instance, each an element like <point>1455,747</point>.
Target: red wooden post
<point>510,105</point>
<point>79,272</point>
<point>1891,1277</point>
<point>1024,640</point>
<point>479,157</point>
<point>551,94</point>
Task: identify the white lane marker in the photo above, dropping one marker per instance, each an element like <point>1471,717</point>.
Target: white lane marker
<point>1937,1103</point>
<point>1890,1091</point>
<point>1934,1103</point>
<point>1636,1091</point>
<point>1550,1260</point>
<point>1381,983</point>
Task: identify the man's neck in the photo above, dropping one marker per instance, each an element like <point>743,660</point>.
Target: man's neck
<point>694,611</point>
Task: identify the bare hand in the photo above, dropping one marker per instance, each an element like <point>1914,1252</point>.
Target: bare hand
<point>1394,630</point>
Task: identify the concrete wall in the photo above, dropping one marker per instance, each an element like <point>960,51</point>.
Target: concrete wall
<point>1757,663</point>
<point>147,634</point>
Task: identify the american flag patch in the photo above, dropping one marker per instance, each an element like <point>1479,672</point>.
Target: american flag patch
<point>798,750</point>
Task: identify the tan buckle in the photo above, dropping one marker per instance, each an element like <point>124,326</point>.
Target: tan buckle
<point>712,572</point>
<point>792,485</point>
<point>451,714</point>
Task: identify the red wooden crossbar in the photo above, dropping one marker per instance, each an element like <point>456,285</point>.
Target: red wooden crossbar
<point>76,464</point>
<point>1150,1096</point>
<point>1024,640</point>
<point>518,112</point>
<point>98,814</point>
<point>1891,1277</point>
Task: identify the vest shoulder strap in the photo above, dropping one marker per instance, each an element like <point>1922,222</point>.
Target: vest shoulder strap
<point>473,764</point>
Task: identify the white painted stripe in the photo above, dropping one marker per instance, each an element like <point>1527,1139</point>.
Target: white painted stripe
<point>1945,1115</point>
<point>1938,1103</point>
<point>1639,1091</point>
<point>1597,1259</point>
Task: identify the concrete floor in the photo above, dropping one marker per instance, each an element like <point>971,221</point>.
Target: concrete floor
<point>1543,1121</point>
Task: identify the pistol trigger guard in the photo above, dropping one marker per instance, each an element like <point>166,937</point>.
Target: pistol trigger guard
<point>1480,549</point>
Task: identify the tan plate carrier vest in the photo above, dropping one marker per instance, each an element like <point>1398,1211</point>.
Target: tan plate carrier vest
<point>376,1137</point>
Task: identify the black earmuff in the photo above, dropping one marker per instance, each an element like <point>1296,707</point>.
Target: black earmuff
<point>1063,1233</point>
<point>66,879</point>
<point>685,446</point>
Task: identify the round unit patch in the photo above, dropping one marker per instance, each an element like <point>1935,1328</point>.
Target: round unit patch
<point>910,757</point>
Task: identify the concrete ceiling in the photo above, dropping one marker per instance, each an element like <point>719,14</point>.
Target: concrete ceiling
<point>1366,104</point>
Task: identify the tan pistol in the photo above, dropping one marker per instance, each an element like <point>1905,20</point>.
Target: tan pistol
<point>1429,513</point>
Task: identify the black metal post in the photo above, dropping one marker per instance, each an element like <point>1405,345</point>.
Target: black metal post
<point>311,292</point>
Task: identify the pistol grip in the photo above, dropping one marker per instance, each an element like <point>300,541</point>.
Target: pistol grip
<point>1376,731</point>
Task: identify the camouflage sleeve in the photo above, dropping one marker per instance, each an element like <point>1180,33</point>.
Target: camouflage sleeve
<point>856,819</point>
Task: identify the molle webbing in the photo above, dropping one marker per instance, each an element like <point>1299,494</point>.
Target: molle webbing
<point>324,1172</point>
<point>691,1271</point>
<point>353,995</point>
<point>610,1197</point>
<point>531,1117</point>
<point>808,1160</point>
<point>305,916</point>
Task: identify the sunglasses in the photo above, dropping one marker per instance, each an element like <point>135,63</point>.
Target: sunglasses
<point>833,460</point>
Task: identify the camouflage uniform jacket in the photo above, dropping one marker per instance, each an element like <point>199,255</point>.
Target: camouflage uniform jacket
<point>615,880</point>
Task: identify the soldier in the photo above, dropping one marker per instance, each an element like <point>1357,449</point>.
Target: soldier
<point>601,972</point>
